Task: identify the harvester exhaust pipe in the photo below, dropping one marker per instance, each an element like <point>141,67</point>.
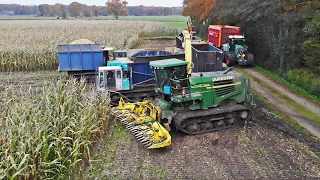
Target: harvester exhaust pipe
<point>228,70</point>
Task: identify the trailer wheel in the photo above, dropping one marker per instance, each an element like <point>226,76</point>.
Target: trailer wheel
<point>250,59</point>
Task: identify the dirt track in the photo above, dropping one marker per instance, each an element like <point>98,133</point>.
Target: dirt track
<point>310,125</point>
<point>313,107</point>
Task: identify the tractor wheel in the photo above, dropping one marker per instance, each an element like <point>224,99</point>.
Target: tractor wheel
<point>250,59</point>
<point>230,60</point>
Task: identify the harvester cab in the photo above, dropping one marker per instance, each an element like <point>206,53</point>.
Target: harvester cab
<point>167,70</point>
<point>236,51</point>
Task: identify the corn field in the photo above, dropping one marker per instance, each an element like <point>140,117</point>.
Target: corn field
<point>47,133</point>
<point>31,45</point>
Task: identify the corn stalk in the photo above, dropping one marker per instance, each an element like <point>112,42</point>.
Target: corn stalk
<point>48,133</point>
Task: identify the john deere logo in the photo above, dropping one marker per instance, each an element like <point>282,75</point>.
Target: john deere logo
<point>222,78</point>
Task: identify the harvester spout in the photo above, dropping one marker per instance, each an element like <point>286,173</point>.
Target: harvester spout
<point>188,51</point>
<point>228,70</point>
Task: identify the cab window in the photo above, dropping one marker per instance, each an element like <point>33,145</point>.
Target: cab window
<point>118,74</point>
<point>101,79</point>
<point>125,74</point>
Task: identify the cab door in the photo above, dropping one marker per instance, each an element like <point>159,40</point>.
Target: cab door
<point>110,80</point>
<point>118,79</point>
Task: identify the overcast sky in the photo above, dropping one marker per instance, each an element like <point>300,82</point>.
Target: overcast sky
<point>167,3</point>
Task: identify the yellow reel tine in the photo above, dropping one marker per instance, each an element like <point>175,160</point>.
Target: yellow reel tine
<point>146,139</point>
<point>148,145</point>
<point>142,133</point>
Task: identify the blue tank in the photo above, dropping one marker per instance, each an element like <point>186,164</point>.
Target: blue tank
<point>151,53</point>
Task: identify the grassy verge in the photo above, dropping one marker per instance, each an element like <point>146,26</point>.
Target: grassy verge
<point>146,18</point>
<point>176,24</point>
<point>159,37</point>
<point>176,21</point>
<point>285,99</point>
<point>289,85</point>
<point>138,18</point>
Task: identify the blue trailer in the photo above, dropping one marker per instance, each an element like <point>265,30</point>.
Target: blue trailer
<point>122,72</point>
<point>82,60</point>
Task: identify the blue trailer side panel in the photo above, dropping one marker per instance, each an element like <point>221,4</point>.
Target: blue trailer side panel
<point>84,57</point>
<point>64,63</point>
<point>98,60</point>
<point>142,72</point>
<point>87,65</point>
<point>76,61</point>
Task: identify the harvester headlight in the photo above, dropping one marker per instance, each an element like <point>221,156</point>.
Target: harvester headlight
<point>244,114</point>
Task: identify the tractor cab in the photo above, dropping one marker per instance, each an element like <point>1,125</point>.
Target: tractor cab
<point>115,76</point>
<point>236,42</point>
<point>110,55</point>
<point>107,54</point>
<point>120,54</point>
<point>170,75</point>
<point>236,51</point>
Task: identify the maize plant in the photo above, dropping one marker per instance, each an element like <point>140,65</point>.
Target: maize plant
<point>31,45</point>
<point>47,134</point>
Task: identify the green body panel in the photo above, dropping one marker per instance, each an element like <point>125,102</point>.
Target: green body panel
<point>210,91</point>
<point>167,63</point>
<point>164,105</point>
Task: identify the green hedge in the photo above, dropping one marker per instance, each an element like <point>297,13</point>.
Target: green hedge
<point>305,79</point>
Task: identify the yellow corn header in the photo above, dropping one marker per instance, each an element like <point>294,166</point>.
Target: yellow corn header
<point>142,119</point>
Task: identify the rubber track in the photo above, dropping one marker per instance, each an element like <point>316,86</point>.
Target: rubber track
<point>182,116</point>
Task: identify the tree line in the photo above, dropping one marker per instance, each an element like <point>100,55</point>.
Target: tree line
<point>76,9</point>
